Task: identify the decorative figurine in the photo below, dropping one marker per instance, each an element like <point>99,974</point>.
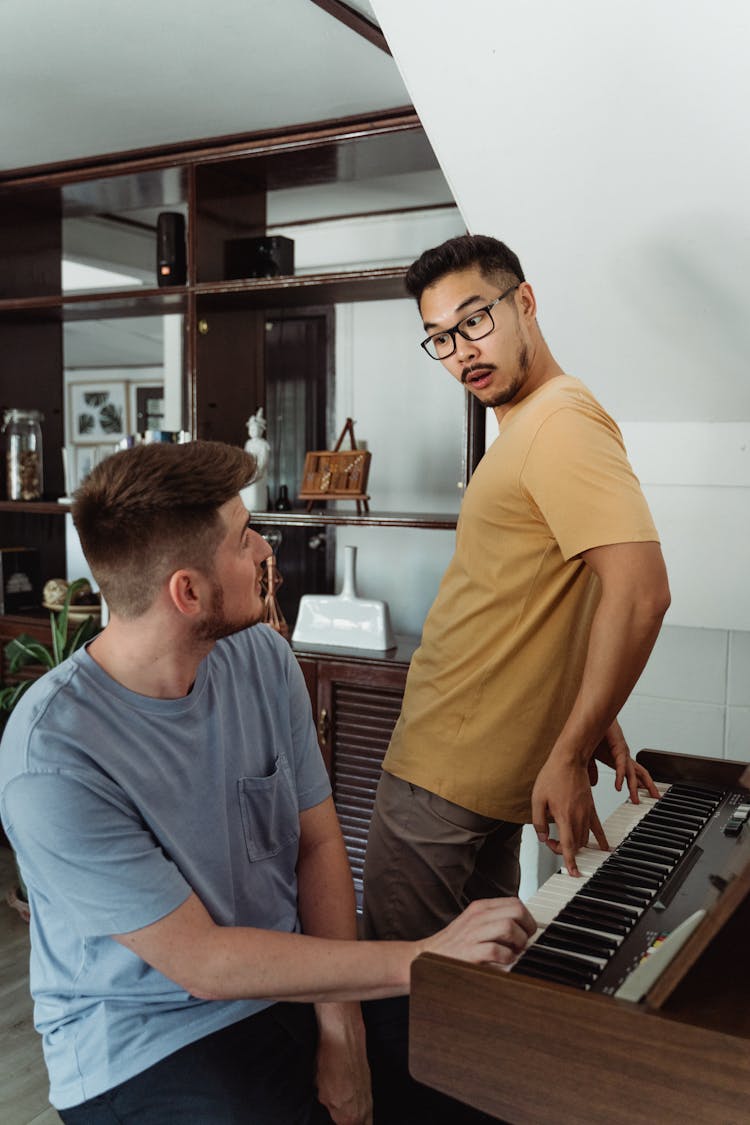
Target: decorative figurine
<point>255,495</point>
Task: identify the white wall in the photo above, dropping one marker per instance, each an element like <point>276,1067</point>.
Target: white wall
<point>608,144</point>
<point>407,411</point>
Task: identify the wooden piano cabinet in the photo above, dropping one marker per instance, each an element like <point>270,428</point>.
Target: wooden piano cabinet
<point>531,1052</point>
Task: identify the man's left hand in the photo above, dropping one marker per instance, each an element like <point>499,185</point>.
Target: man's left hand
<point>343,1074</point>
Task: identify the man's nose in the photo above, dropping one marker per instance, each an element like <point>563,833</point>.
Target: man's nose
<point>465,349</point>
<point>261,547</point>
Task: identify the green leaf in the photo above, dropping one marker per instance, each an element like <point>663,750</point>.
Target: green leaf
<point>85,631</point>
<point>23,650</point>
<point>9,696</point>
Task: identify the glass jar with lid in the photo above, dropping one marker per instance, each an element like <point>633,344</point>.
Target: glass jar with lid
<point>23,453</point>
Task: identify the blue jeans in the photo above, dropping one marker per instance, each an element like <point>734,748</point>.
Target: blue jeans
<point>258,1071</point>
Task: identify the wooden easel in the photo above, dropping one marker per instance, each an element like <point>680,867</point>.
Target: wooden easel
<point>336,475</point>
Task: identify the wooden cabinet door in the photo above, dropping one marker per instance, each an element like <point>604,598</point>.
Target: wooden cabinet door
<point>358,705</point>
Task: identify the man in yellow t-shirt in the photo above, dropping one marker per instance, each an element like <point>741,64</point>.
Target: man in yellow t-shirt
<point>542,624</point>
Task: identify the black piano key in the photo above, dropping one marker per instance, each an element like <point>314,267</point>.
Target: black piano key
<point>609,889</point>
<point>582,943</point>
<point>673,820</point>
<point>624,909</point>
<point>576,968</point>
<point>546,972</point>
<point>617,864</point>
<point>681,839</point>
<point>699,792</point>
<point>657,871</point>
<point>624,892</point>
<point>591,915</point>
<point>653,847</point>
<point>579,928</point>
<point>633,867</point>
<point>660,863</point>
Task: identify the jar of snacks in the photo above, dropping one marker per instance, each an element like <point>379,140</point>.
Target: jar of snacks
<point>23,454</point>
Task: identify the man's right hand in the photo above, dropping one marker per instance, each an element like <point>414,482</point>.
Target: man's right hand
<point>491,930</point>
<point>562,793</point>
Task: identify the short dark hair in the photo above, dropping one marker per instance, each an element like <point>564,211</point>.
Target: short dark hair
<point>147,511</point>
<point>491,256</point>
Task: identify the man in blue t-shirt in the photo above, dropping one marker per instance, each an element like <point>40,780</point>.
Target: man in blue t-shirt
<point>190,895</point>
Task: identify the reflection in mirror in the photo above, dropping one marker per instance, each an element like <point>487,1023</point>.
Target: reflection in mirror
<point>122,375</point>
<point>109,229</point>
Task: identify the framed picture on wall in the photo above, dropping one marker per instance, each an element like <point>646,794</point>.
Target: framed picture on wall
<point>146,406</point>
<point>97,412</point>
<point>84,458</point>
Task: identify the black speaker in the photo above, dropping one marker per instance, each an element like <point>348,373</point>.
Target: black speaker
<point>171,260</point>
<point>270,255</point>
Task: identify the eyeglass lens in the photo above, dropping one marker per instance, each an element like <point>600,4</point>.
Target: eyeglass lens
<point>472,327</point>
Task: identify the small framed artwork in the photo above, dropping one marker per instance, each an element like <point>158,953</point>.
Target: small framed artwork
<point>84,459</point>
<point>98,412</point>
<point>146,406</point>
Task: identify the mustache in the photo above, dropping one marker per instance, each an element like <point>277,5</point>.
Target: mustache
<point>466,372</point>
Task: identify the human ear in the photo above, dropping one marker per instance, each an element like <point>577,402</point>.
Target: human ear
<point>527,300</point>
<point>185,592</point>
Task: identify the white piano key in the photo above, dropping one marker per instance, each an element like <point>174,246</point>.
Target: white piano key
<point>559,889</point>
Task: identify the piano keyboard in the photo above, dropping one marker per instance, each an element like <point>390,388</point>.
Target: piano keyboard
<point>594,931</point>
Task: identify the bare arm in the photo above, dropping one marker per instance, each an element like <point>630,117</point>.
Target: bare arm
<point>233,962</point>
<point>634,599</point>
<point>327,909</point>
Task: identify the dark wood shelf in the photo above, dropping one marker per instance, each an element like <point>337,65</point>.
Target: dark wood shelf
<point>303,289</point>
<point>255,293</point>
<point>36,507</point>
<point>440,521</point>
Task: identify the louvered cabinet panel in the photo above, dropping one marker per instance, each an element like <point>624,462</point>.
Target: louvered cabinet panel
<point>358,706</point>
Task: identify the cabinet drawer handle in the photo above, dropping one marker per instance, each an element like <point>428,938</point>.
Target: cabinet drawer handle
<point>323,725</point>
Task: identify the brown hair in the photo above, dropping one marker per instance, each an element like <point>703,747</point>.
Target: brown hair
<point>492,257</point>
<point>147,511</point>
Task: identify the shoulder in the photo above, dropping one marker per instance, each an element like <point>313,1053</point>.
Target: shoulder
<point>260,644</point>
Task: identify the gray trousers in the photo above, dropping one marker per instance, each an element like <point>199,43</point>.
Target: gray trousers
<point>427,859</point>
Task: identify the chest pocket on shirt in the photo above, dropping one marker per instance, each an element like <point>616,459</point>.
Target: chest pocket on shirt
<point>270,818</point>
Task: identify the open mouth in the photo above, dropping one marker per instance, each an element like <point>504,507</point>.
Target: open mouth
<point>478,377</point>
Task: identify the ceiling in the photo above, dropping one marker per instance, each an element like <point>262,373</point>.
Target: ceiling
<point>88,77</point>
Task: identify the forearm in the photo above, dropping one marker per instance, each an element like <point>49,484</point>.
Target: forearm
<point>237,962</point>
<point>327,908</point>
<point>622,636</point>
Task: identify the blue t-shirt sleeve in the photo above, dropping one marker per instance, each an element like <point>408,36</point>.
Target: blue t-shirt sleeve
<point>83,846</point>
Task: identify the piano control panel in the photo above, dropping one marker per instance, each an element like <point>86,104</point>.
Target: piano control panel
<point>667,869</point>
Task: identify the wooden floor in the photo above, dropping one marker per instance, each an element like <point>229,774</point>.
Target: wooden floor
<point>23,1078</point>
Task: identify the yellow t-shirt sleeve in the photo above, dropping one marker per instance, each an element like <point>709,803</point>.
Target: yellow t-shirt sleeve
<point>578,477</point>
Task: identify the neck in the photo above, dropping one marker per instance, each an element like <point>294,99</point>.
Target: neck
<point>542,368</point>
<point>147,656</point>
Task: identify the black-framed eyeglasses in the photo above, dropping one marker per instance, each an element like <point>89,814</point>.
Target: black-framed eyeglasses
<point>475,326</point>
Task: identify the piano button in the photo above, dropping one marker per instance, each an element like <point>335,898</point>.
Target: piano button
<point>561,938</point>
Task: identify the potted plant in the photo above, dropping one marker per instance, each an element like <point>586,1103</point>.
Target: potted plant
<point>22,651</point>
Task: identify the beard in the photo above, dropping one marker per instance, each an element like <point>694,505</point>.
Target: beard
<point>507,394</point>
<point>217,625</point>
